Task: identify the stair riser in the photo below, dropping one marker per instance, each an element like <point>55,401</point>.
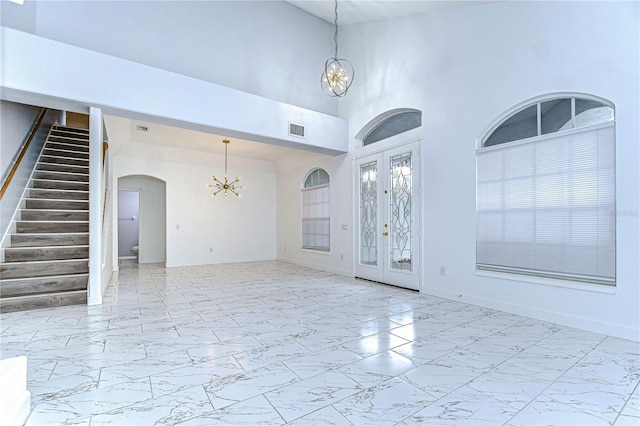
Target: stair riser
<point>75,138</point>
<point>56,204</point>
<point>67,146</point>
<point>61,176</point>
<point>29,270</point>
<point>48,167</point>
<point>49,253</point>
<point>33,286</point>
<point>43,301</point>
<point>69,139</point>
<point>64,160</point>
<point>66,153</point>
<point>57,195</point>
<point>56,184</point>
<point>51,227</point>
<point>53,215</point>
<point>27,240</point>
<point>74,130</point>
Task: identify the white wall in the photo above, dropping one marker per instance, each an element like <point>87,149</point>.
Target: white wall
<point>463,68</point>
<point>291,175</point>
<point>268,48</point>
<point>201,229</point>
<point>15,122</point>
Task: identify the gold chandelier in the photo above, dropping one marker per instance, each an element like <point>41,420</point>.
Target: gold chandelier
<point>225,186</point>
<point>338,73</point>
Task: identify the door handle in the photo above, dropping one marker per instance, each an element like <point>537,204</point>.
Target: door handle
<point>386,234</point>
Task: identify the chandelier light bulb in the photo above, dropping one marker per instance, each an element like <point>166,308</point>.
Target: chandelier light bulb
<point>337,77</point>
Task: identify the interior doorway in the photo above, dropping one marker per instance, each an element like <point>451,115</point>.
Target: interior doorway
<point>128,224</point>
<point>151,219</point>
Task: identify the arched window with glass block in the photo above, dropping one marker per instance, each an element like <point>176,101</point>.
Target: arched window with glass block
<point>316,211</point>
<point>546,192</point>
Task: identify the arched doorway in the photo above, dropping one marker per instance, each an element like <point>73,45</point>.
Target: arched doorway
<point>152,229</point>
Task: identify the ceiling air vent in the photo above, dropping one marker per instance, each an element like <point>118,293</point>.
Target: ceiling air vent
<point>296,130</point>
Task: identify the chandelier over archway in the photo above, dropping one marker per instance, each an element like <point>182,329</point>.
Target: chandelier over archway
<point>338,73</point>
<point>226,186</point>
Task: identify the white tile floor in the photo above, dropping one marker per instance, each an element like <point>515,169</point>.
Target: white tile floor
<point>274,343</point>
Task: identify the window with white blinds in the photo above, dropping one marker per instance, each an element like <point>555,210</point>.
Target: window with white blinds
<point>316,211</point>
<point>546,205</point>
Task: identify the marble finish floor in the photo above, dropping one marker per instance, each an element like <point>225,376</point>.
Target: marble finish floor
<point>270,343</point>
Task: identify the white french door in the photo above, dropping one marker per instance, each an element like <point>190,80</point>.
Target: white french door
<point>388,216</point>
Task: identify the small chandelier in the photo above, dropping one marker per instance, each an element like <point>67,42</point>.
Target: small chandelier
<point>338,73</point>
<point>226,186</point>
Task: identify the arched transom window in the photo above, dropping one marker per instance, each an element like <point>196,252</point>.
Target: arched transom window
<point>545,196</point>
<point>393,123</point>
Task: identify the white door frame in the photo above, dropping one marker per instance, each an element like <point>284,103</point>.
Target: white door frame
<point>382,151</point>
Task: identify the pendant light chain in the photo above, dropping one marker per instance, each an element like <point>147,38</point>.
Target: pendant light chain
<point>335,24</point>
<point>226,147</point>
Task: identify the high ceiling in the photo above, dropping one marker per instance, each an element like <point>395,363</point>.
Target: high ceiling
<point>357,11</point>
<point>350,12</point>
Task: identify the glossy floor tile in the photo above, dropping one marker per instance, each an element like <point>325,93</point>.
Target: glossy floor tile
<point>270,343</point>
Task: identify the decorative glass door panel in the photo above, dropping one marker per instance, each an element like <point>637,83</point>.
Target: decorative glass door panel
<point>388,219</point>
<point>400,212</point>
<point>369,214</point>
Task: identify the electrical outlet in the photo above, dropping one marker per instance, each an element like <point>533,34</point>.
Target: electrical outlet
<point>443,271</point>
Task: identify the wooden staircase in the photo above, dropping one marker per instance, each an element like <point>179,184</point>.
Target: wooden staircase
<point>47,262</point>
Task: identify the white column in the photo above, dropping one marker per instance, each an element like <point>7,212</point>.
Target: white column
<point>95,206</point>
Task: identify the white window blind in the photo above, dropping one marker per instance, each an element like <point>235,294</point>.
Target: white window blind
<point>546,206</point>
<point>315,218</point>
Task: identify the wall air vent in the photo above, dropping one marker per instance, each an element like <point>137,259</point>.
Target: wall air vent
<point>142,128</point>
<point>296,130</point>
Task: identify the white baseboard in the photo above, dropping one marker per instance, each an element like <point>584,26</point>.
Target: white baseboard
<point>583,323</point>
<point>344,272</point>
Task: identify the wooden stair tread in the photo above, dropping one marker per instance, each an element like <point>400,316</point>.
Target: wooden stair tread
<point>58,164</point>
<point>60,248</point>
<point>45,278</point>
<point>44,261</point>
<point>57,180</point>
<point>56,210</point>
<point>54,199</point>
<point>57,234</point>
<point>48,221</point>
<point>59,190</point>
